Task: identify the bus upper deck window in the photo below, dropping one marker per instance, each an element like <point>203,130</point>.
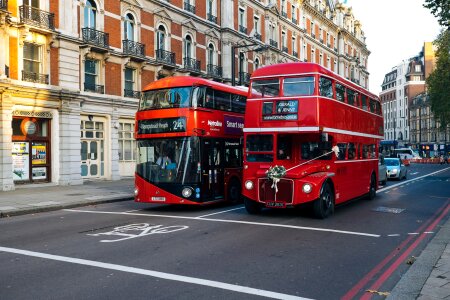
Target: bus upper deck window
<point>364,102</point>
<point>265,88</point>
<point>326,87</point>
<point>340,92</point>
<point>298,86</point>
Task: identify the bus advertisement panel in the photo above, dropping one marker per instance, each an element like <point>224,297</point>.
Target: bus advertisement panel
<point>189,142</point>
<point>310,136</point>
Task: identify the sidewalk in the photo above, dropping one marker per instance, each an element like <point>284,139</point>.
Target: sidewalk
<point>427,279</point>
<point>34,198</point>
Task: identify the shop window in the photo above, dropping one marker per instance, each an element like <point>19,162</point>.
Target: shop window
<point>127,142</point>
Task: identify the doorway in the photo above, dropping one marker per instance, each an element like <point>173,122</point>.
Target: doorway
<point>92,149</point>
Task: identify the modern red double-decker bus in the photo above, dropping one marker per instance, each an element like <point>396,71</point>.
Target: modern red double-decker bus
<point>189,141</point>
<point>311,136</point>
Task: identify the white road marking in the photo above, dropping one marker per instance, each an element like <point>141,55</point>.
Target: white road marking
<point>220,212</point>
<point>168,276</point>
<point>414,173</point>
<point>228,221</point>
<point>413,233</point>
<point>410,180</point>
<point>394,234</point>
<point>428,232</point>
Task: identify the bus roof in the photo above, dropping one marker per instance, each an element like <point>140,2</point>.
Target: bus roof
<point>298,68</point>
<point>179,81</point>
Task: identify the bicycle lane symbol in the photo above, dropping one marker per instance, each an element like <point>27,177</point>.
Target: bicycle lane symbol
<point>137,230</point>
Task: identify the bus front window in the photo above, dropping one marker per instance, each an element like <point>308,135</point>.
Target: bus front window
<point>259,148</point>
<point>169,160</point>
<point>298,86</point>
<point>166,98</point>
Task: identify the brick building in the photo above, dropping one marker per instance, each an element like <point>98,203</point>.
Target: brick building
<point>71,71</point>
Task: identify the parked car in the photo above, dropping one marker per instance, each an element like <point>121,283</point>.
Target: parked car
<point>395,168</point>
<point>382,170</point>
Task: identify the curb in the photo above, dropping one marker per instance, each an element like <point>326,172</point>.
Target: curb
<point>31,210</point>
<point>412,282</point>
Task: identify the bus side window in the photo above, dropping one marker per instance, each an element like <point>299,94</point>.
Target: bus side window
<point>351,95</point>
<point>372,105</point>
<point>365,152</point>
<point>342,151</point>
<point>238,103</point>
<point>364,102</point>
<point>198,97</point>
<point>209,98</point>
<point>222,100</point>
<point>326,87</point>
<point>340,92</point>
<point>351,151</point>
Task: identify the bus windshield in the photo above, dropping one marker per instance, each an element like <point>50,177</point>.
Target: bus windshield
<point>166,98</point>
<point>173,160</point>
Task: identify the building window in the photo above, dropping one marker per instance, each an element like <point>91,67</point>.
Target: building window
<point>256,22</point>
<point>90,12</point>
<point>418,68</point>
<point>211,54</point>
<point>90,75</point>
<point>161,38</point>
<point>32,58</point>
<point>241,17</point>
<point>256,63</point>
<point>129,82</point>
<point>188,47</point>
<point>313,55</point>
<point>128,28</point>
<point>294,46</point>
<point>126,141</point>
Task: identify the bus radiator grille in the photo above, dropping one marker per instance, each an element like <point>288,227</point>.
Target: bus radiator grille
<point>267,193</point>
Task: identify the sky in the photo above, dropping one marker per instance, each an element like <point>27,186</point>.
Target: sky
<point>395,30</point>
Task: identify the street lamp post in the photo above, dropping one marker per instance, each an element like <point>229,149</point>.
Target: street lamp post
<point>233,50</point>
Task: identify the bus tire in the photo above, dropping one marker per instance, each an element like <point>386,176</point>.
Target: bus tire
<point>252,207</point>
<point>234,191</point>
<point>324,205</point>
<point>373,188</point>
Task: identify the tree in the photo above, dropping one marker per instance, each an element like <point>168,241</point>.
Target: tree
<point>439,80</point>
<point>441,10</point>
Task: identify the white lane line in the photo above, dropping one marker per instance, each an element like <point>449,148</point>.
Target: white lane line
<point>220,212</point>
<point>228,221</point>
<point>410,180</point>
<point>394,234</point>
<point>413,233</point>
<point>168,276</point>
<point>429,232</point>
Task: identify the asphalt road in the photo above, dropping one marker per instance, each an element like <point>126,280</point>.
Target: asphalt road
<point>128,250</point>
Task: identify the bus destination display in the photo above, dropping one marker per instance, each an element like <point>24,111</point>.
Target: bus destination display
<point>162,125</point>
<point>285,110</point>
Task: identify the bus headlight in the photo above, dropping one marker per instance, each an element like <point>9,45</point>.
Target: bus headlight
<point>249,185</point>
<point>186,192</point>
<point>307,188</point>
<point>136,191</point>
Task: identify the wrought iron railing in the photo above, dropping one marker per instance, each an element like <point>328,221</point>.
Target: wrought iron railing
<point>189,7</point>
<point>91,87</point>
<point>36,17</point>
<point>132,94</point>
<point>34,77</point>
<point>243,29</point>
<point>284,49</point>
<point>273,43</point>
<point>165,56</point>
<point>95,37</point>
<point>4,4</point>
<point>258,36</point>
<point>133,48</point>
<point>244,78</point>
<point>191,64</point>
<point>212,18</point>
<point>214,71</point>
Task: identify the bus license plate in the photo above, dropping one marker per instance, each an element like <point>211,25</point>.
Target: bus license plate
<point>158,198</point>
<point>276,204</point>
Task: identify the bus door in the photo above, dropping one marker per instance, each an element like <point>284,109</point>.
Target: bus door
<point>212,169</point>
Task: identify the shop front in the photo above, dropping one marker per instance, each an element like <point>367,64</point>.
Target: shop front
<point>31,144</point>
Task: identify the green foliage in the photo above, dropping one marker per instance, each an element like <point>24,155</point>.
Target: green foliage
<point>439,80</point>
<point>276,172</point>
<point>441,10</point>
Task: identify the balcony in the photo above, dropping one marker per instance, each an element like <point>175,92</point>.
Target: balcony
<point>189,7</point>
<point>192,64</point>
<point>243,29</point>
<point>212,18</point>
<point>34,77</point>
<point>284,14</point>
<point>214,71</point>
<point>4,4</point>
<point>258,36</point>
<point>273,43</point>
<point>132,94</point>
<point>95,38</point>
<point>165,57</point>
<point>35,17</point>
<point>284,49</point>
<point>244,78</point>
<point>134,49</point>
<point>95,88</point>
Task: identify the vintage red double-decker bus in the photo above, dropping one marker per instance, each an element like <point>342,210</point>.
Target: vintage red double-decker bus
<point>189,141</point>
<point>297,114</point>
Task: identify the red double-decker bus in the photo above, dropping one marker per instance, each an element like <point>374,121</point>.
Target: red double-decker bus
<point>189,141</point>
<point>297,113</point>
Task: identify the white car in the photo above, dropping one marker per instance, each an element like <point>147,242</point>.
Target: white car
<point>395,168</point>
<point>382,170</point>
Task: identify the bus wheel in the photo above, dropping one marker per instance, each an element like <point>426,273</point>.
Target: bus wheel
<point>234,191</point>
<point>252,207</point>
<point>324,205</point>
<point>373,188</point>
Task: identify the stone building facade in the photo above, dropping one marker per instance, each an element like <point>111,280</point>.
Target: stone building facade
<point>71,71</point>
